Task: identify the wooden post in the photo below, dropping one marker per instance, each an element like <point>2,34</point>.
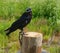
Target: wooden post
<point>31,42</point>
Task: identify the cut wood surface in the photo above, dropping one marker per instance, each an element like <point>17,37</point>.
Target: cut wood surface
<point>31,42</point>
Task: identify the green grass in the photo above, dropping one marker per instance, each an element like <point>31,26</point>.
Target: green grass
<point>55,49</point>
<point>44,13</point>
<point>40,26</point>
<point>13,8</point>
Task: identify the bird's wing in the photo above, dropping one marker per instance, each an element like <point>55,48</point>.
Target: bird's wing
<point>20,21</point>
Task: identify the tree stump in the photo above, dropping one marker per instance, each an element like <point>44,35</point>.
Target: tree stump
<point>31,42</point>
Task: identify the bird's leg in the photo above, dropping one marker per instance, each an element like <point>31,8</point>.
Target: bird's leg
<point>21,36</point>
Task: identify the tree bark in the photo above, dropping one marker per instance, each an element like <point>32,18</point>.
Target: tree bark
<point>31,42</point>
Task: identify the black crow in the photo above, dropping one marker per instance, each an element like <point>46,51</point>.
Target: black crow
<point>21,22</point>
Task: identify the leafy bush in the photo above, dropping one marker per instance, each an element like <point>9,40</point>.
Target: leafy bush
<point>16,8</point>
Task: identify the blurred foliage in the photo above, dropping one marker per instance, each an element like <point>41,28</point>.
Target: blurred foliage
<point>46,19</point>
<point>15,8</point>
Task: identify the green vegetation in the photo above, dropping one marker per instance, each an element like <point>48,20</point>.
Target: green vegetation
<point>46,19</point>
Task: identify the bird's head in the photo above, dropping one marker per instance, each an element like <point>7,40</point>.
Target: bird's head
<point>28,10</point>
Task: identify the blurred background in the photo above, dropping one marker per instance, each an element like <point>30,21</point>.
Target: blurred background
<point>46,20</point>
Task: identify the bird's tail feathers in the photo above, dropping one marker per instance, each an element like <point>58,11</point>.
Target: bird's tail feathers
<point>7,31</point>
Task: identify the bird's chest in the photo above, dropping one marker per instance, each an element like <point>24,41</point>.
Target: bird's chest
<point>26,22</point>
<point>28,19</point>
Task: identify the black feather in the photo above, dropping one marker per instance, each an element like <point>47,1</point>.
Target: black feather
<point>21,22</point>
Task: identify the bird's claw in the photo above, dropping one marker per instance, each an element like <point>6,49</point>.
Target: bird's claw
<point>21,33</point>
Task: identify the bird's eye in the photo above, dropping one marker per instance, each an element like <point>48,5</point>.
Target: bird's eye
<point>27,10</point>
